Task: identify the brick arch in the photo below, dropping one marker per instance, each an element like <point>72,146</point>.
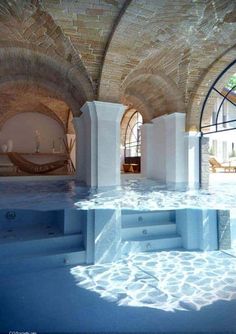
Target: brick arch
<point>201,90</point>
<point>135,102</point>
<point>28,22</point>
<point>23,83</point>
<point>158,93</point>
<point>123,124</point>
<point>21,62</point>
<point>40,109</point>
<point>182,46</point>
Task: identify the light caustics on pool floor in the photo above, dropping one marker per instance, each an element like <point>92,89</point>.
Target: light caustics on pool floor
<point>173,280</point>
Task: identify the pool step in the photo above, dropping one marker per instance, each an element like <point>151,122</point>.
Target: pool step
<point>40,247</point>
<point>131,232</point>
<point>21,264</point>
<point>152,243</point>
<point>146,218</point>
<point>149,231</point>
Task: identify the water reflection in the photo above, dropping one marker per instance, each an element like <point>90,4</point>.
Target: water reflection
<point>173,280</point>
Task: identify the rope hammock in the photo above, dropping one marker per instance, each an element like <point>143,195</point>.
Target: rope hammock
<point>33,168</point>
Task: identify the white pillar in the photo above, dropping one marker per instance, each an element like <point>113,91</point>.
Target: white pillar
<point>176,155</point>
<point>192,146</point>
<point>164,155</point>
<point>147,150</point>
<point>98,143</point>
<point>159,155</point>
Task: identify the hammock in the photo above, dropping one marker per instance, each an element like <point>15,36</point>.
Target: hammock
<point>33,168</point>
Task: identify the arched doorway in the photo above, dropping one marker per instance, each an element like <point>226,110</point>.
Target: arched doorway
<point>218,129</point>
<point>131,141</point>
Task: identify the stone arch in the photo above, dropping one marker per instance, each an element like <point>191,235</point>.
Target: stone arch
<point>158,93</point>
<point>135,102</point>
<point>56,74</point>
<point>53,91</point>
<point>124,121</point>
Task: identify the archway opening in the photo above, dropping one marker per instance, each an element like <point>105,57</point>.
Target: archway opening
<point>36,132</point>
<point>131,141</point>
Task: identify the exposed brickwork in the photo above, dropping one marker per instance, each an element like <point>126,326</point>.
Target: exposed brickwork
<point>20,98</point>
<point>180,38</point>
<point>161,57</point>
<point>35,52</point>
<point>88,24</point>
<point>201,90</point>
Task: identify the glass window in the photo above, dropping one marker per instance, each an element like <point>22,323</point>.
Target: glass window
<point>132,142</point>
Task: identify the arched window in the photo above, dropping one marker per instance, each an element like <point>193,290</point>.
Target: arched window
<point>132,142</point>
<point>218,124</point>
<point>219,108</point>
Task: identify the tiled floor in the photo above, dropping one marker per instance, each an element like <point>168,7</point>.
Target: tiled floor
<point>147,292</point>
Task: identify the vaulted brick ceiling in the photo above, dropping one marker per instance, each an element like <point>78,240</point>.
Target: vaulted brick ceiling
<point>151,55</point>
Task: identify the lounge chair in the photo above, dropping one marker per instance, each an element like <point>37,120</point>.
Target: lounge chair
<point>216,166</point>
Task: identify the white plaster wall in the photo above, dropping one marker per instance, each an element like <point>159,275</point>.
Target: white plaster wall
<point>176,155</point>
<point>192,147</point>
<point>21,130</point>
<point>198,228</point>
<point>146,149</point>
<point>158,157</point>
<point>80,129</point>
<point>164,153</point>
<point>98,143</point>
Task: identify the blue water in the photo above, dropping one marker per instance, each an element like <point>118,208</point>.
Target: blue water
<point>133,194</point>
<point>138,293</point>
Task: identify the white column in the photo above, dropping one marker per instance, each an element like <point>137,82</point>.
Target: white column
<point>159,155</point>
<point>147,150</point>
<point>79,126</point>
<point>164,155</point>
<point>192,146</point>
<point>98,143</point>
<point>176,155</point>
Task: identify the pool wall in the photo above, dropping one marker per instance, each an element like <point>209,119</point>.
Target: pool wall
<point>225,223</point>
<point>198,228</point>
<point>72,236</point>
<point>35,239</point>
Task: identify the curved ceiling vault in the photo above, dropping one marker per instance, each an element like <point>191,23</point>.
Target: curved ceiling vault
<point>181,39</point>
<point>151,55</point>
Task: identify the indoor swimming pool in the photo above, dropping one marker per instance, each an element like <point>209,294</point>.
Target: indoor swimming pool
<point>64,222</point>
<point>140,194</point>
<point>137,246</point>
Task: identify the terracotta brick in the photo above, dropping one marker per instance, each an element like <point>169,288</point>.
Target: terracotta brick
<point>162,55</point>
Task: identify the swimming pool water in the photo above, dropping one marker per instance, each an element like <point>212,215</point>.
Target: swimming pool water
<point>132,194</point>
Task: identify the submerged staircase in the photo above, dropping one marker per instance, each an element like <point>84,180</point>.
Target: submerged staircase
<point>38,241</point>
<point>147,231</point>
